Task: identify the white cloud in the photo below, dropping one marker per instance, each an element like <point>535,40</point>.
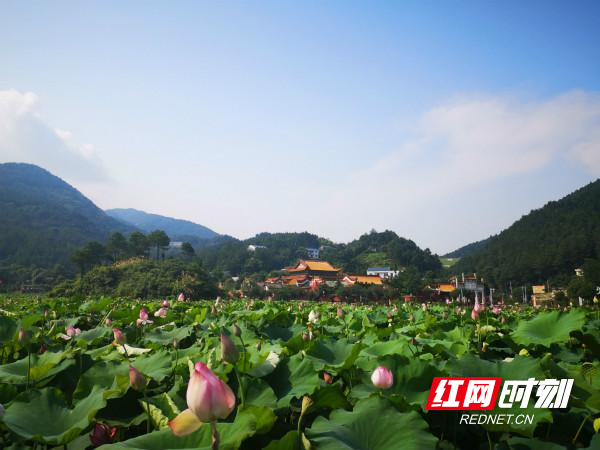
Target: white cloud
<point>26,137</point>
<point>460,147</point>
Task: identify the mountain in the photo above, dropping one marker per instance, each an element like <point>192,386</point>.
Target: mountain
<point>468,249</point>
<point>547,243</point>
<point>43,218</point>
<point>177,229</point>
<point>274,251</point>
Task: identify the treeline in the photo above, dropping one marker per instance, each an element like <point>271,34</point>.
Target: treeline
<point>233,257</point>
<point>118,247</point>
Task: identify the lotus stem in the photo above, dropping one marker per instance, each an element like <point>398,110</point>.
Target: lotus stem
<point>216,439</point>
<point>239,379</point>
<point>585,419</point>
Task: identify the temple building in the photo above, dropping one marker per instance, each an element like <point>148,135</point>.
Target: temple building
<point>350,280</point>
<point>307,274</point>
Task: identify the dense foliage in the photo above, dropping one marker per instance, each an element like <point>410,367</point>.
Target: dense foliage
<point>301,374</point>
<point>142,278</point>
<point>548,242</point>
<point>283,249</point>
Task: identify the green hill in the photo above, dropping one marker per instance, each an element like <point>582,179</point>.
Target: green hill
<point>274,251</point>
<point>546,243</point>
<point>43,219</point>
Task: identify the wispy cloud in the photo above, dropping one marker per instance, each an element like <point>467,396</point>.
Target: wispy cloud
<point>26,137</point>
<point>462,146</point>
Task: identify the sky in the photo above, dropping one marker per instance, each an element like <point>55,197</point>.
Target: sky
<point>442,121</point>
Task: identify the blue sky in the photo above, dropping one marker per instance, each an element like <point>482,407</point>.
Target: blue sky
<point>443,121</point>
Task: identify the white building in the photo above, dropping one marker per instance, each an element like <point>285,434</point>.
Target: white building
<point>253,248</point>
<point>383,272</point>
<point>313,253</point>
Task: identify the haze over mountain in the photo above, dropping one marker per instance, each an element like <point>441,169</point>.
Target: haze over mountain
<point>43,219</point>
<point>177,229</point>
<point>548,242</point>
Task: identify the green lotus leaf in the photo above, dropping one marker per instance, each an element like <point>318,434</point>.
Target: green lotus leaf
<point>373,425</point>
<point>43,366</point>
<point>293,377</point>
<point>156,366</point>
<point>334,353</point>
<point>8,329</point>
<point>548,328</point>
<point>44,415</point>
<point>162,409</point>
<point>232,436</point>
<point>166,337</point>
<point>110,376</point>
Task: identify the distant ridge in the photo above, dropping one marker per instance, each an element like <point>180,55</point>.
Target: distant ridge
<point>177,229</point>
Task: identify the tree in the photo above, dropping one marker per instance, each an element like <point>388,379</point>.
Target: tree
<point>117,246</point>
<point>138,244</point>
<point>188,250</point>
<point>91,254</point>
<point>158,239</point>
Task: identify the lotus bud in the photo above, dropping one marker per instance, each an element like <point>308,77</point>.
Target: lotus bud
<point>236,330</point>
<point>213,310</point>
<point>119,336</point>
<point>175,343</point>
<point>307,402</point>
<point>496,310</point>
<point>23,336</point>
<point>484,347</point>
<point>327,378</point>
<point>143,314</point>
<point>165,303</point>
<point>229,352</point>
<point>208,399</point>
<point>136,379</point>
<point>305,337</point>
<point>413,341</point>
<point>474,314</point>
<point>102,434</point>
<point>108,321</point>
<point>181,297</point>
<point>382,378</point>
<point>313,316</point>
<point>340,313</point>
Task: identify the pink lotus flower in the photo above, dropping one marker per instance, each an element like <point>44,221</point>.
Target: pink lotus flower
<point>102,434</point>
<point>496,310</point>
<point>382,378</point>
<point>208,399</point>
<point>143,320</point>
<point>474,314</point>
<point>119,336</point>
<point>165,304</point>
<point>72,331</point>
<point>181,297</point>
<point>327,378</point>
<point>162,312</point>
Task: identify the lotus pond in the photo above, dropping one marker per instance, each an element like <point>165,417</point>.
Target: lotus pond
<point>113,373</point>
